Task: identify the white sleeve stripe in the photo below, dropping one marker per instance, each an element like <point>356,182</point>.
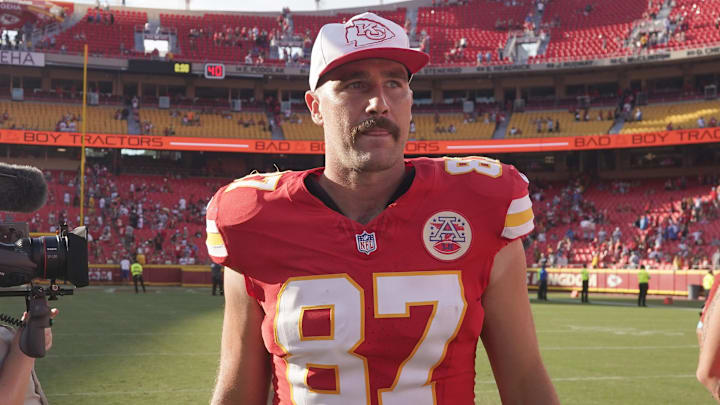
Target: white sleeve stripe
<point>217,251</point>
<point>520,205</point>
<point>211,226</point>
<point>512,232</point>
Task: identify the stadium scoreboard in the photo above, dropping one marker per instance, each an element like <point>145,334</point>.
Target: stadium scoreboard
<point>160,67</point>
<point>214,71</point>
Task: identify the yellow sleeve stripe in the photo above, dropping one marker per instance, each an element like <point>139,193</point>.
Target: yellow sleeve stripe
<point>512,220</point>
<point>215,239</point>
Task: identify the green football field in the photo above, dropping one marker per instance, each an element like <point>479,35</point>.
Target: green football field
<point>114,347</point>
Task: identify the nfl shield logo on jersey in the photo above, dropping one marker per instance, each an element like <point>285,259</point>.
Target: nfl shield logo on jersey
<point>366,242</point>
<point>447,235</point>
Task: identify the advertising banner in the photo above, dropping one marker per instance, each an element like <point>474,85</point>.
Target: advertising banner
<point>619,281</point>
<point>587,142</point>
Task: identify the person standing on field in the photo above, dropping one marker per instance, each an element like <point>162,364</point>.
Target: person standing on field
<point>125,268</point>
<point>137,274</point>
<point>217,282</point>
<point>643,282</point>
<point>708,281</point>
<point>542,278</point>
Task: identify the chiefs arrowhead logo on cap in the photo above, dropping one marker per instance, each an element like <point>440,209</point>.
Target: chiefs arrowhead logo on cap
<point>364,36</point>
<point>362,32</point>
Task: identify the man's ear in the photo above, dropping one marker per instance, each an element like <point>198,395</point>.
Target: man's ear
<point>313,104</point>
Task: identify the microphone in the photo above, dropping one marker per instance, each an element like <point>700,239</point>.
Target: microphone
<point>22,188</point>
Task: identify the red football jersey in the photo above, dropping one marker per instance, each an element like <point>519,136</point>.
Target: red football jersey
<point>384,313</point>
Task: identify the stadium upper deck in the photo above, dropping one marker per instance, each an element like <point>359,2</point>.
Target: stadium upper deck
<point>458,32</point>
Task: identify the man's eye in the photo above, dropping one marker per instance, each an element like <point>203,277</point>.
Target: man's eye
<point>394,83</point>
<point>356,85</point>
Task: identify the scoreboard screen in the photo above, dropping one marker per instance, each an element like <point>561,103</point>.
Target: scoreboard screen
<point>214,71</point>
<point>182,67</point>
<point>160,67</point>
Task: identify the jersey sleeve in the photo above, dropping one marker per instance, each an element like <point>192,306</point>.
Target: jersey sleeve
<point>519,216</point>
<point>215,242</point>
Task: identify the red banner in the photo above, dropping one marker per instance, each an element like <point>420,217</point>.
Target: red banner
<point>620,281</point>
<point>588,142</point>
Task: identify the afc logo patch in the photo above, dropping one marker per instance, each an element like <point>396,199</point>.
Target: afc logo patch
<point>366,242</point>
<point>447,235</point>
<point>362,32</point>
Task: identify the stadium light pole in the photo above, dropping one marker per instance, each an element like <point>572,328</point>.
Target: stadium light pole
<point>82,138</point>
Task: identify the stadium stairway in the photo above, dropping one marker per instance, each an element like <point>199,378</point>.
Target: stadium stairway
<point>618,125</point>
<point>277,131</point>
<point>665,10</point>
<point>133,125</point>
<point>411,15</point>
<point>502,128</point>
<point>139,42</point>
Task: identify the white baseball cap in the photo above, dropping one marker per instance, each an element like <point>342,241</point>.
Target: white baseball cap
<point>364,36</point>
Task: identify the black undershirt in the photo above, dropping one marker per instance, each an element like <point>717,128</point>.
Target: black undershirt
<point>313,186</point>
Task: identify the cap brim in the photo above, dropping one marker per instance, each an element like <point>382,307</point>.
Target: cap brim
<point>413,60</point>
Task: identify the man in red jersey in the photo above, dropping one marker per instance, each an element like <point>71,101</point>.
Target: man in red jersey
<point>369,281</point>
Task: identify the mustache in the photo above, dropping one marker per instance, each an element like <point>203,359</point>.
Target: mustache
<point>372,123</point>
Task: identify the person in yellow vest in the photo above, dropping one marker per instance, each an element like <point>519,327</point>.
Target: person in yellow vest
<point>137,273</point>
<point>542,278</point>
<point>585,273</point>
<point>708,281</point>
<point>643,281</point>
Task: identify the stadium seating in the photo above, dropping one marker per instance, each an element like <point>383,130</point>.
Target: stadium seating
<point>102,37</point>
<point>310,23</point>
<point>681,115</point>
<point>622,210</point>
<point>45,116</point>
<point>575,34</point>
<point>162,193</point>
<point>195,190</point>
<point>526,123</point>
<point>475,22</point>
<point>701,17</point>
<point>426,128</point>
<point>581,35</point>
<point>203,48</point>
<point>303,129</point>
<point>213,125</point>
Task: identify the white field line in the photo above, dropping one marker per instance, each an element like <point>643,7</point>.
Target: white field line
<point>620,331</point>
<point>618,347</point>
<point>611,378</point>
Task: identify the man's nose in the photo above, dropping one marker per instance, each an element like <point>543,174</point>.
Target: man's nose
<point>378,104</point>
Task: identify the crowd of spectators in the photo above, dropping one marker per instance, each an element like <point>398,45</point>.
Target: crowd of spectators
<point>68,123</point>
<point>659,238</point>
<point>543,124</point>
<point>115,213</point>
